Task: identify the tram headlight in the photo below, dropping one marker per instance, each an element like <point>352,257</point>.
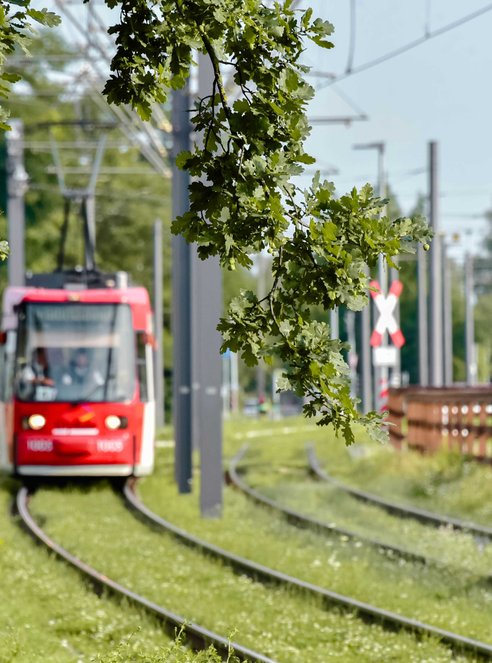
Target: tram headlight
<point>36,421</point>
<point>113,422</point>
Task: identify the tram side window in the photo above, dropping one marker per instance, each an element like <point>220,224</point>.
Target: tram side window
<point>142,367</point>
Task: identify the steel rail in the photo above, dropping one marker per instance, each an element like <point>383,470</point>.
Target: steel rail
<point>308,521</point>
<point>199,636</point>
<point>402,511</point>
<point>373,613</point>
<point>237,562</point>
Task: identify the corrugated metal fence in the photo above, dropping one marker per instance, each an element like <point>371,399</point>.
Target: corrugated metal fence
<point>456,418</point>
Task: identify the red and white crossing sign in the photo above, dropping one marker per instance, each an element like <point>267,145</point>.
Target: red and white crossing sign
<point>386,320</point>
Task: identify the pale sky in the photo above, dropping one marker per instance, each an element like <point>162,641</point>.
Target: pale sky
<point>441,90</point>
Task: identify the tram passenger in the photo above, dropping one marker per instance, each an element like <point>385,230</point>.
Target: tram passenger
<point>36,375</point>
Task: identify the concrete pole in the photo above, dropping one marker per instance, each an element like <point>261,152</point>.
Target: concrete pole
<point>17,184</point>
<point>181,305</point>
<point>158,326</point>
<point>423,328</point>
<point>436,326</point>
<point>471,362</point>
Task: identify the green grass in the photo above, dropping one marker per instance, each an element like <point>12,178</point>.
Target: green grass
<point>444,482</point>
<point>278,469</point>
<point>440,596</point>
<point>48,614</point>
<point>278,622</point>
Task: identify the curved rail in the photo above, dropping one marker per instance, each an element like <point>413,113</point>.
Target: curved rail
<point>199,636</point>
<point>368,611</point>
<point>403,511</point>
<point>307,521</point>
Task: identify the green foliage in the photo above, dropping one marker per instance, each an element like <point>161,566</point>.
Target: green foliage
<point>243,199</point>
<point>16,31</point>
<point>4,249</point>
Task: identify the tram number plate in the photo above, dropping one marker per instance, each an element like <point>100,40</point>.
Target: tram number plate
<point>111,446</point>
<point>40,445</point>
<point>45,393</point>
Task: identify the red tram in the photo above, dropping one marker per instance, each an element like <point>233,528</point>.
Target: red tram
<point>76,377</point>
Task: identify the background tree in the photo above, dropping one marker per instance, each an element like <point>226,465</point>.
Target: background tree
<point>129,194</point>
<point>483,307</point>
<point>16,19</point>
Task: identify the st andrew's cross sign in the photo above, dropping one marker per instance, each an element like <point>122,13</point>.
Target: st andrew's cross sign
<point>386,320</point>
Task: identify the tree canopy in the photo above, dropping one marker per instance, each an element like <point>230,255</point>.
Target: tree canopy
<point>244,198</point>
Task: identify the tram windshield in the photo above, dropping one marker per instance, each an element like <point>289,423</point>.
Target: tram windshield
<point>75,352</point>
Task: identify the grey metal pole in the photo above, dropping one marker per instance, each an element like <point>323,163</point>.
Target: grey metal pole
<point>471,363</point>
<point>158,326</point>
<point>436,326</point>
<point>396,370</point>
<point>447,316</point>
<point>334,323</point>
<point>207,373</point>
<point>423,329</point>
<point>372,389</point>
<point>89,201</point>
<point>381,373</point>
<point>260,293</point>
<point>17,182</point>
<point>365,352</point>
<point>181,306</point>
<point>234,378</point>
<point>352,353</point>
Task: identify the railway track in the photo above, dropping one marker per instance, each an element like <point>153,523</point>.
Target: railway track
<point>303,520</point>
<point>402,511</point>
<point>198,636</point>
<point>366,611</point>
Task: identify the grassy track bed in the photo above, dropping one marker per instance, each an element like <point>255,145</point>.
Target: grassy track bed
<point>277,465</point>
<point>443,482</point>
<point>438,596</point>
<point>278,622</point>
<point>48,614</point>
<point>323,502</point>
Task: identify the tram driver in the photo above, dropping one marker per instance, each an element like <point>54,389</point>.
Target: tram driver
<point>81,375</point>
<point>35,379</point>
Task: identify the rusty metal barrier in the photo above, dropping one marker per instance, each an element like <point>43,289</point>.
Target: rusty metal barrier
<point>455,418</point>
